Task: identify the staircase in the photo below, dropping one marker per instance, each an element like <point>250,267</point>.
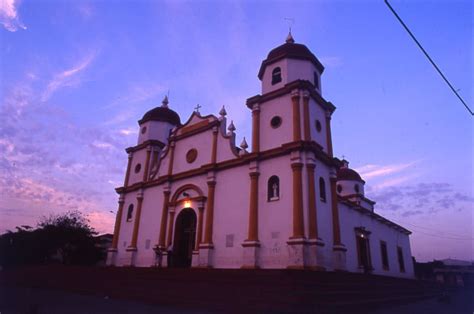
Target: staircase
<point>230,290</point>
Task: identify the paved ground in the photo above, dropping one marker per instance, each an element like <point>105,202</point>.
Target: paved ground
<point>40,301</point>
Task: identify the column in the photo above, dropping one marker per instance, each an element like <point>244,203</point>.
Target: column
<point>214,145</point>
<point>315,253</point>
<point>147,164</point>
<point>170,165</point>
<point>199,227</point>
<point>328,134</point>
<point>136,223</point>
<point>164,219</point>
<point>339,250</point>
<point>295,99</point>
<point>112,251</point>
<point>255,128</point>
<point>298,224</point>
<point>306,116</point>
<point>129,165</point>
<point>206,248</point>
<point>251,244</point>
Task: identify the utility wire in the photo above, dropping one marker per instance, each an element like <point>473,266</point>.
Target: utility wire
<point>429,58</point>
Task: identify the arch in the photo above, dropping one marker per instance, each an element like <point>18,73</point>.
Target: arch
<point>276,75</point>
<point>322,189</point>
<point>273,188</point>
<point>184,188</point>
<point>130,212</point>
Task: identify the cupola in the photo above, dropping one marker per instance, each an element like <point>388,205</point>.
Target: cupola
<point>349,182</point>
<point>157,123</point>
<point>287,63</point>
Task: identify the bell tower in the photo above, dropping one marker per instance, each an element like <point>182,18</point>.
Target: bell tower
<point>291,107</point>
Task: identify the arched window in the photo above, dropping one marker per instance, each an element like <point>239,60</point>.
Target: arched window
<point>130,212</point>
<point>276,75</point>
<point>273,189</point>
<point>322,189</point>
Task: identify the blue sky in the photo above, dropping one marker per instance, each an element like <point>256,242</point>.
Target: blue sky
<point>77,75</point>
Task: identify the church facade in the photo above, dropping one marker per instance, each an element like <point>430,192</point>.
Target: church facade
<point>193,198</point>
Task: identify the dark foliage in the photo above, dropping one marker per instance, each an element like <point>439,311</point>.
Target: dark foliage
<point>66,239</point>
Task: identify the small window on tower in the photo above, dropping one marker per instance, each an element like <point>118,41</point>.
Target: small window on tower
<point>275,122</point>
<point>316,80</point>
<point>276,75</point>
<point>322,190</point>
<point>318,126</point>
<point>130,212</point>
<point>339,188</point>
<point>144,130</point>
<point>273,188</point>
<point>138,167</point>
<point>356,188</point>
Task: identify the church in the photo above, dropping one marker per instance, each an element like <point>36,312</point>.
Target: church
<point>193,198</point>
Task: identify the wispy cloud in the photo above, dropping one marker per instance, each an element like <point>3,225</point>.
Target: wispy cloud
<point>9,15</point>
<point>67,77</point>
<point>372,171</point>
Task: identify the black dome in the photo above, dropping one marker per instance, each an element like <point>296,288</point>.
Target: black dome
<point>345,173</point>
<point>292,51</point>
<point>161,114</point>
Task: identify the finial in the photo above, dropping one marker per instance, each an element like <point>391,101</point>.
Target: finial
<point>244,144</point>
<point>231,127</point>
<point>165,102</point>
<point>289,38</point>
<point>223,113</point>
<point>196,109</point>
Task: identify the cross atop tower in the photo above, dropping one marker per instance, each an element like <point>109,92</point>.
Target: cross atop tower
<point>196,109</point>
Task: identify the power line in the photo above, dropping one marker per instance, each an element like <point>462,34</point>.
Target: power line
<point>434,230</point>
<point>451,236</point>
<point>429,58</point>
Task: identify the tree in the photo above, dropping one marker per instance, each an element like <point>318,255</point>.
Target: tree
<point>65,238</point>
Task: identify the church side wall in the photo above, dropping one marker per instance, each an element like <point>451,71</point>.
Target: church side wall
<point>351,219</point>
<point>126,228</point>
<point>273,137</point>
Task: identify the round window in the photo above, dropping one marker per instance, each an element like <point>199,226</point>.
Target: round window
<point>318,126</point>
<point>138,167</point>
<point>275,122</point>
<point>191,155</point>
<point>356,188</point>
<point>339,188</point>
<point>144,130</point>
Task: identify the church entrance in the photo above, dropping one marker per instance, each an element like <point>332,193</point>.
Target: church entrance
<point>184,237</point>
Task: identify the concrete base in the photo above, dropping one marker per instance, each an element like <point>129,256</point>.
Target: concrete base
<point>130,256</point>
<point>297,251</point>
<point>206,251</point>
<point>111,257</point>
<point>339,257</point>
<point>195,259</point>
<point>315,257</point>
<point>250,255</point>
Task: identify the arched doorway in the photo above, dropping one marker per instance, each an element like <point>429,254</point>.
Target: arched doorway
<point>184,237</point>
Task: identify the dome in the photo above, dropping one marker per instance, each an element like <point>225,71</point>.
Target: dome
<point>346,173</point>
<point>292,51</point>
<point>161,114</point>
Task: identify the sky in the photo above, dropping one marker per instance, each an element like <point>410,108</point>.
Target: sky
<point>75,76</point>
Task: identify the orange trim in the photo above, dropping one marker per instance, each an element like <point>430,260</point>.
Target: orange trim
<point>256,129</point>
<point>295,99</point>
<point>328,135</point>
<point>335,213</point>
<point>170,165</point>
<point>136,225</point>
<point>209,212</point>
<point>147,165</point>
<point>164,218</point>
<point>118,222</point>
<point>312,211</point>
<point>307,130</point>
<point>298,218</point>
<point>187,129</point>
<point>127,174</point>
<point>253,208</point>
<point>199,231</point>
<point>170,228</point>
<point>214,147</point>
